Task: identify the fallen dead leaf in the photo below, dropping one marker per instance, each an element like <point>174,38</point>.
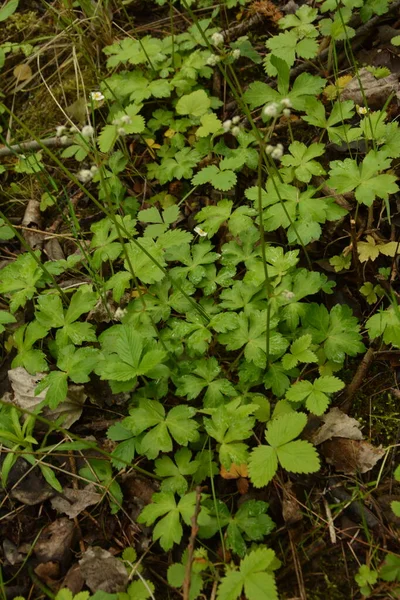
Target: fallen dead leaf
<point>56,541</point>
<point>73,502</point>
<point>11,553</point>
<point>291,510</point>
<point>22,72</point>
<point>235,471</point>
<point>351,456</point>
<point>74,580</point>
<point>376,91</point>
<point>24,384</point>
<point>53,249</point>
<point>28,486</point>
<point>48,572</point>
<point>102,571</point>
<point>337,425</point>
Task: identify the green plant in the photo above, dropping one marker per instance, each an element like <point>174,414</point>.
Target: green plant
<point>213,335</point>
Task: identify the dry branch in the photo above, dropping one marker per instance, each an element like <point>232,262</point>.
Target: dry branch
<point>32,145</point>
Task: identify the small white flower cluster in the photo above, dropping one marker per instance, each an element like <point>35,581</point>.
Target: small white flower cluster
<point>96,96</point>
<point>273,109</point>
<point>120,313</point>
<point>87,131</point>
<point>275,152</point>
<point>124,120</point>
<point>213,60</point>
<point>288,295</point>
<point>231,125</point>
<point>86,175</point>
<point>236,53</point>
<point>217,39</point>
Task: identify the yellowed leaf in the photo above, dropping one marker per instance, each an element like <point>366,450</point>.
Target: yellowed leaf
<point>368,250</point>
<point>22,72</point>
<point>235,471</point>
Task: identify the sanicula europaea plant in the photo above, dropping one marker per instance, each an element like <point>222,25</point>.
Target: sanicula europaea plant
<point>215,327</point>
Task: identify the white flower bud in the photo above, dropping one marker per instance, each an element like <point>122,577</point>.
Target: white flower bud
<point>286,102</point>
<point>271,110</point>
<point>235,131</point>
<point>236,53</point>
<point>286,112</point>
<point>227,125</point>
<point>60,130</point>
<point>84,175</point>
<point>126,120</point>
<point>64,139</point>
<point>94,169</point>
<point>121,131</point>
<point>87,131</point>
<point>217,39</point>
<point>277,152</point>
<point>269,149</point>
<point>236,120</point>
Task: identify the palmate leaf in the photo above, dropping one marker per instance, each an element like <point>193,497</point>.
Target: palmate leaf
<point>5,319</point>
<point>20,278</point>
<point>288,46</point>
<point>385,323</point>
<point>315,394</point>
<point>24,339</point>
<point>178,424</point>
<point>255,576</point>
<point>297,456</point>
<point>337,331</point>
<point>195,104</point>
<point>364,178</point>
<point>304,86</point>
<point>52,315</point>
<point>132,356</point>
<point>174,474</point>
<point>169,529</point>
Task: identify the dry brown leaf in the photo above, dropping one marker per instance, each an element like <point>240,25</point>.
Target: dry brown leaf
<point>351,456</point>
<point>337,424</point>
<point>56,541</point>
<point>235,471</point>
<point>73,502</point>
<point>291,510</point>
<point>242,485</point>
<point>48,572</point>
<point>102,571</point>
<point>375,91</point>
<point>22,72</point>
<point>24,384</point>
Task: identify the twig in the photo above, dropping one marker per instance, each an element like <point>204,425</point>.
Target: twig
<point>192,541</point>
<point>237,30</point>
<point>297,566</point>
<point>357,379</point>
<point>32,145</point>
